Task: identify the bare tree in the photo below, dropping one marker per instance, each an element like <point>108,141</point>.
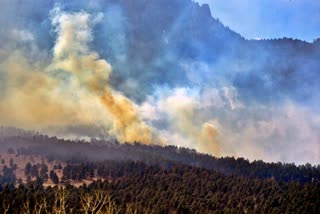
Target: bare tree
<point>98,202</point>
<point>41,206</point>
<point>6,206</point>
<point>26,207</point>
<point>60,205</point>
<point>131,209</point>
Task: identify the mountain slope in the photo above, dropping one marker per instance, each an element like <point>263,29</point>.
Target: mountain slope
<point>99,150</point>
<point>173,62</point>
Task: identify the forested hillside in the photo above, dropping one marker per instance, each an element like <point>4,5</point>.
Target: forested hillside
<point>46,174</point>
<point>153,106</point>
<point>99,150</point>
<point>134,187</point>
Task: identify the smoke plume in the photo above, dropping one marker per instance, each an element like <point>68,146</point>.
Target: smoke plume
<point>72,89</point>
<point>72,54</point>
<point>156,74</point>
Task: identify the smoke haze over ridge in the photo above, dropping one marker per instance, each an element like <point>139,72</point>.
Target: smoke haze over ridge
<point>76,65</point>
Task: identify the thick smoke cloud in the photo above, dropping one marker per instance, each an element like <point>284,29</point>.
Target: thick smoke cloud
<point>173,113</point>
<point>72,54</point>
<point>177,76</point>
<point>45,92</point>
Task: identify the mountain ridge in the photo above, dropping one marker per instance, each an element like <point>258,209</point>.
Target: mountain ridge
<point>262,92</point>
<point>53,148</point>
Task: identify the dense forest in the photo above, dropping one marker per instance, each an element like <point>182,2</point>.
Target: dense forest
<point>154,51</point>
<point>134,187</point>
<point>28,143</point>
<point>134,178</point>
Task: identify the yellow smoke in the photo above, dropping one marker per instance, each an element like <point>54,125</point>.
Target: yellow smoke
<point>72,54</point>
<point>181,109</point>
<point>127,124</point>
<point>71,90</point>
<point>33,100</point>
<point>208,141</point>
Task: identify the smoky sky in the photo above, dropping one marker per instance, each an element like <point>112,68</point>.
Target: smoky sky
<point>163,72</point>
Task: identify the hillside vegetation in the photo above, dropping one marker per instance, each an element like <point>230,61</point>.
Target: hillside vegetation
<point>58,176</point>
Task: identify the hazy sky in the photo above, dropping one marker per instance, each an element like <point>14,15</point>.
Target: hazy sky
<point>86,68</point>
<point>269,18</point>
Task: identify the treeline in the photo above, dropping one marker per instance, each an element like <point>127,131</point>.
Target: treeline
<point>99,150</point>
<point>135,187</point>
